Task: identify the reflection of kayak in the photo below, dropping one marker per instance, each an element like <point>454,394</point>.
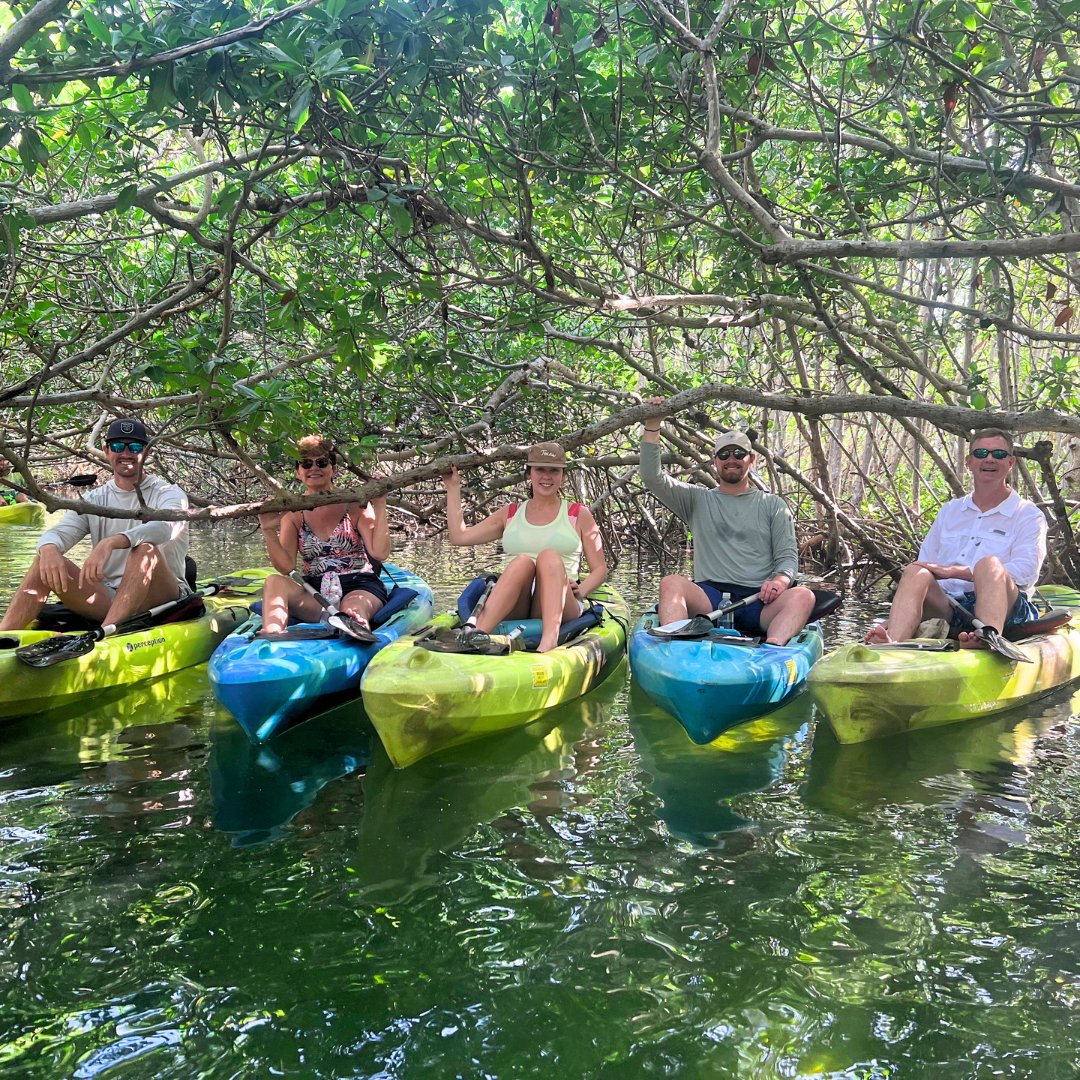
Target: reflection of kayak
<point>121,660</point>
<point>421,701</point>
<point>258,789</point>
<point>27,513</point>
<point>700,787</point>
<point>265,684</point>
<point>868,691</point>
<point>709,686</point>
<point>412,817</point>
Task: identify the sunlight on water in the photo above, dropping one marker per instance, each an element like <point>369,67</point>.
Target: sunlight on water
<point>593,895</point>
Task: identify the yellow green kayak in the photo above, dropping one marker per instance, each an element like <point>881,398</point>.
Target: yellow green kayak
<point>422,701</point>
<point>870,691</point>
<point>122,660</point>
<point>25,513</point>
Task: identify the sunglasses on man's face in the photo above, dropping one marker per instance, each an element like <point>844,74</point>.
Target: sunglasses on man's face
<point>738,454</point>
<point>983,452</point>
<point>118,446</point>
<point>315,463</point>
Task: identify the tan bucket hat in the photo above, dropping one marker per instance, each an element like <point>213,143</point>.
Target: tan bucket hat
<point>550,454</point>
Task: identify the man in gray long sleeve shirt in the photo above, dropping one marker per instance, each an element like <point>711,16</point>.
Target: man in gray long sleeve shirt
<point>132,565</point>
<point>744,542</point>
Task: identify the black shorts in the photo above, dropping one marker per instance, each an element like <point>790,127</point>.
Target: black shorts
<point>370,583</point>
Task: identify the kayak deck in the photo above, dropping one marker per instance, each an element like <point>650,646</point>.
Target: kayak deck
<point>24,513</point>
<point>122,660</point>
<point>710,686</point>
<point>873,691</point>
<point>268,684</point>
<point>421,701</point>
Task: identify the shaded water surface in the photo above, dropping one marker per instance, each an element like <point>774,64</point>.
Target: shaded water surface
<point>591,896</point>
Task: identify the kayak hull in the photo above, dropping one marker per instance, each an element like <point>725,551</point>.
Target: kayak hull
<point>123,660</point>
<point>709,686</point>
<point>267,685</point>
<point>870,691</point>
<point>26,513</point>
<point>421,702</point>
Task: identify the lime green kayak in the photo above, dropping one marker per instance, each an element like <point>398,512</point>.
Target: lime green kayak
<point>870,691</point>
<point>25,513</point>
<point>421,702</point>
<point>122,660</point>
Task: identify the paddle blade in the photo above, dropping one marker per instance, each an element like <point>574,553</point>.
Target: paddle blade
<point>350,627</point>
<point>698,627</point>
<point>55,650</point>
<point>1002,646</point>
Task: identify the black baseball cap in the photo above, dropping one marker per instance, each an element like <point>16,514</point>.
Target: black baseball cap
<point>127,429</point>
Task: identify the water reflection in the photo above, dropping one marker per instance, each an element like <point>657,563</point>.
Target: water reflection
<point>698,787</point>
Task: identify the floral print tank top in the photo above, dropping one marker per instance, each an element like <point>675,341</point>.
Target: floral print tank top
<point>343,551</point>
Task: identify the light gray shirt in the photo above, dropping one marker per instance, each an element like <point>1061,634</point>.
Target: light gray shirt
<point>171,537</point>
<point>738,539</point>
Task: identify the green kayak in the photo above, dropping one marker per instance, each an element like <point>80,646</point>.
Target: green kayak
<point>24,513</point>
<point>122,660</point>
<point>421,701</point>
<point>870,691</point>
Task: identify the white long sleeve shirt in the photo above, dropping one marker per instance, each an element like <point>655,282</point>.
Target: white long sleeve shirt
<point>1014,531</point>
<point>171,537</point>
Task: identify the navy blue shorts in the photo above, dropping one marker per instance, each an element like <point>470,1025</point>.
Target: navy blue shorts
<point>747,619</point>
<point>370,583</point>
<point>1022,611</point>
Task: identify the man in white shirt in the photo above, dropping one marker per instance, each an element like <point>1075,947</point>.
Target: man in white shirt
<point>132,565</point>
<point>985,549</point>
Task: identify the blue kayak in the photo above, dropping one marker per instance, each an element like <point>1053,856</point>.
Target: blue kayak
<point>266,684</point>
<point>709,685</point>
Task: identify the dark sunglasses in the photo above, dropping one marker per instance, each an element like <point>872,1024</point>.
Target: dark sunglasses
<point>982,452</point>
<point>738,454</point>
<point>118,446</point>
<point>311,463</point>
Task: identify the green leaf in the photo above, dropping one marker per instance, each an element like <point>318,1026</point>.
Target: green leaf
<point>126,199</point>
<point>301,109</point>
<point>23,98</point>
<point>97,27</point>
<point>161,93</point>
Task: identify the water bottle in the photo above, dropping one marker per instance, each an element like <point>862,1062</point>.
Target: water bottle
<point>727,621</point>
<point>330,587</point>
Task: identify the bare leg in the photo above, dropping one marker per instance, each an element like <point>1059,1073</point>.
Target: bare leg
<point>281,597</point>
<point>680,598</point>
<point>361,605</point>
<point>32,595</point>
<point>147,582</point>
<point>995,594</point>
<point>787,614</point>
<point>554,597</point>
<point>511,596</point>
<point>918,597</point>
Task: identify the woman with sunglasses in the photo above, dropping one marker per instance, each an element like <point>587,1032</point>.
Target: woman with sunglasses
<point>543,540</point>
<point>744,543</point>
<point>341,545</point>
<point>984,550</point>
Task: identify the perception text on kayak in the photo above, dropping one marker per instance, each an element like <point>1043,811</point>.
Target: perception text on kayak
<point>131,646</point>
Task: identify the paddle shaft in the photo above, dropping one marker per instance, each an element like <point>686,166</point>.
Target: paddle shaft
<point>711,615</point>
<point>478,607</point>
<point>132,621</point>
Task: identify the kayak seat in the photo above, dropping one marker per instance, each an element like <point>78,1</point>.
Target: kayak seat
<point>1049,620</point>
<point>825,603</point>
<point>470,594</point>
<point>567,632</point>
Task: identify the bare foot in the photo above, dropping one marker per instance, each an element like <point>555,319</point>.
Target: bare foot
<point>877,635</point>
<point>547,646</point>
<point>969,640</point>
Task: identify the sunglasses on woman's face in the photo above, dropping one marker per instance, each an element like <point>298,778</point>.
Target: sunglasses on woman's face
<point>118,446</point>
<point>314,463</point>
<point>738,455</point>
<point>982,453</point>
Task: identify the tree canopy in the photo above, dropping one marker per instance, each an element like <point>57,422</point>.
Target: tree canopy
<point>458,225</point>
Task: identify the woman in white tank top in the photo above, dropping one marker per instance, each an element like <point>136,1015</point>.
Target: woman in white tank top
<point>543,539</point>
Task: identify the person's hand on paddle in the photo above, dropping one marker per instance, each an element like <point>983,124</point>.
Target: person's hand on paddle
<point>93,570</point>
<point>773,588</point>
<point>54,569</point>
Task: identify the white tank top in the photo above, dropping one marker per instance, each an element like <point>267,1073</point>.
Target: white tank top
<point>521,538</point>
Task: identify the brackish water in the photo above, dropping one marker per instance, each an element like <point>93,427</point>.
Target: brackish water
<point>593,896</point>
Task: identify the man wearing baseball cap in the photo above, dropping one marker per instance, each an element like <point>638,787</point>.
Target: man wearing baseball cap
<point>132,565</point>
<point>744,543</point>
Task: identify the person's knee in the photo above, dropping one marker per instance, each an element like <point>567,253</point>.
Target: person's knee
<point>672,586</point>
<point>915,572</point>
<point>520,566</point>
<point>550,564</point>
<point>802,596</point>
<point>989,568</point>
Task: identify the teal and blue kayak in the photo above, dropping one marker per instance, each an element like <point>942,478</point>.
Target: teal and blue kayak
<point>710,684</point>
<point>267,684</point>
